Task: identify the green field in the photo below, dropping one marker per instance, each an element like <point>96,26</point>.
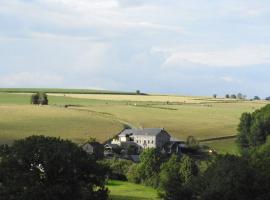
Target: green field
<point>223,146</point>
<point>80,116</point>
<point>128,191</point>
<point>218,119</point>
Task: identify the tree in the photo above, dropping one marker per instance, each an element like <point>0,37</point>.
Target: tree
<point>39,98</point>
<point>233,96</point>
<point>175,175</point>
<point>138,92</point>
<point>244,131</point>
<point>34,98</point>
<point>214,96</point>
<point>254,128</point>
<point>133,174</point>
<point>231,178</point>
<point>260,159</point>
<point>239,96</point>
<point>149,167</point>
<point>118,168</point>
<point>257,98</point>
<point>192,142</point>
<point>47,168</point>
<point>188,169</point>
<point>43,98</point>
<point>170,182</point>
<point>227,96</point>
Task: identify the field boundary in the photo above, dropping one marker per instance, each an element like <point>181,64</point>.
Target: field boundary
<point>218,138</point>
<point>65,91</point>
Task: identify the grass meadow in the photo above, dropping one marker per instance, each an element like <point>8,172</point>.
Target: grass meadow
<point>19,121</point>
<point>102,116</point>
<point>120,190</point>
<point>224,146</point>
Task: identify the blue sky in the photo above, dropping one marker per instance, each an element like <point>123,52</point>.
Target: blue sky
<point>194,47</point>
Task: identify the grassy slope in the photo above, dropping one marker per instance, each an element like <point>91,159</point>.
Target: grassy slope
<point>129,191</point>
<point>224,146</point>
<point>18,120</point>
<point>201,117</point>
<point>220,119</point>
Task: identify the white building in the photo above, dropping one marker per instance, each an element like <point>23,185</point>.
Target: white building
<point>145,138</point>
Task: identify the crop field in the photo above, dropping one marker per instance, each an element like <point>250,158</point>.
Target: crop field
<point>128,191</point>
<point>19,121</point>
<point>199,120</point>
<point>80,116</point>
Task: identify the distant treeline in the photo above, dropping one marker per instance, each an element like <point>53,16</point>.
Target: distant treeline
<point>66,91</point>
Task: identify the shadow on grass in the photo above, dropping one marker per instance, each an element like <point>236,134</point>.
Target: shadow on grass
<point>114,183</point>
<point>119,197</point>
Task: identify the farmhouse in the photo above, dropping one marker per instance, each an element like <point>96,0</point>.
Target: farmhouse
<point>145,138</point>
<point>94,148</point>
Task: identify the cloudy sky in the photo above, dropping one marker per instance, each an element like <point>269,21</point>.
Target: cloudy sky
<point>191,47</point>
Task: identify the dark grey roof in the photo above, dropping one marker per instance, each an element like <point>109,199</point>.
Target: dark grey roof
<point>174,139</point>
<point>135,158</point>
<point>111,145</point>
<point>145,131</point>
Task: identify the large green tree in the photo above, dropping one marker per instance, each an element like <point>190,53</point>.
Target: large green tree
<point>46,168</point>
<point>149,167</point>
<point>174,176</point>
<point>254,128</point>
<point>39,98</point>
<point>231,178</point>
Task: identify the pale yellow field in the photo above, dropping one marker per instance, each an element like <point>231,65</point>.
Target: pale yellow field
<point>103,116</point>
<point>201,121</point>
<point>142,98</point>
<point>19,121</point>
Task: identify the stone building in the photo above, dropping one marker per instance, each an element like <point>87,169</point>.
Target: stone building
<point>145,138</point>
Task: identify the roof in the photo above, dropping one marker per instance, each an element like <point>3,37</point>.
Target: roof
<point>135,158</point>
<point>93,144</point>
<point>111,145</point>
<point>145,131</point>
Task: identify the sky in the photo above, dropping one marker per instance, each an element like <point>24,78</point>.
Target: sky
<point>185,47</point>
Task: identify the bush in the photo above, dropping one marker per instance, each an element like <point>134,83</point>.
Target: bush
<point>118,168</point>
<point>133,174</point>
<point>47,168</point>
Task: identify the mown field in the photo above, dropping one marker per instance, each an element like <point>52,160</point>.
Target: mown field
<point>19,119</point>
<point>80,116</point>
<point>128,191</point>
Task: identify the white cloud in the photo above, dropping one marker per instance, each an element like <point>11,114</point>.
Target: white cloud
<point>54,36</point>
<point>239,57</point>
<point>230,79</point>
<point>28,79</point>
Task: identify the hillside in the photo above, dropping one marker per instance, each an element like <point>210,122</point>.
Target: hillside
<point>80,116</point>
